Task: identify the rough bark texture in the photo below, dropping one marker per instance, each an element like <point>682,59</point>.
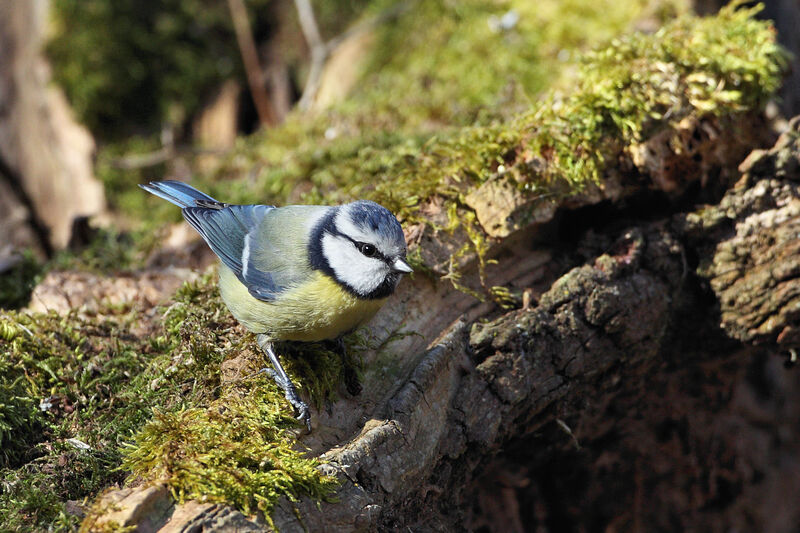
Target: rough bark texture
<point>45,156</point>
<point>503,381</point>
<point>644,389</point>
<point>753,267</point>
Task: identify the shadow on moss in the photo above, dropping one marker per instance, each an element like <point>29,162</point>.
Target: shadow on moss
<point>17,283</point>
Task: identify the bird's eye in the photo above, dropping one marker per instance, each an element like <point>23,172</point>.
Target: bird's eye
<point>366,249</point>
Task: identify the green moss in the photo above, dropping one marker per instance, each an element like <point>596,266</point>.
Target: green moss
<point>163,389</point>
<point>108,250</point>
<point>730,64</point>
<point>239,447</point>
<point>717,66</point>
<point>319,366</point>
<point>120,385</point>
<point>61,378</point>
<point>454,63</point>
<point>125,68</point>
<point>58,373</point>
<point>425,72</point>
<point>237,450</point>
<point>31,500</point>
<point>400,138</point>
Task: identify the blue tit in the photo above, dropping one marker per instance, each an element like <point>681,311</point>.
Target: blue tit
<point>300,272</point>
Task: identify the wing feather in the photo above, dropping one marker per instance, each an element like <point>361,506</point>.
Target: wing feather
<point>227,231</point>
<point>265,247</point>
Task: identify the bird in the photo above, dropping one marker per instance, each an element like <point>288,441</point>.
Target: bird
<point>297,272</point>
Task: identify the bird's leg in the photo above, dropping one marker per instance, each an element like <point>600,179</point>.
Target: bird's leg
<point>282,380</point>
<point>350,375</point>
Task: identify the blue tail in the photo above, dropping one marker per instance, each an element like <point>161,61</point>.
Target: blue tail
<point>177,192</point>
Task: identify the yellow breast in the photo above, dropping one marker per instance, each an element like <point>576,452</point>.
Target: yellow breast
<point>315,310</point>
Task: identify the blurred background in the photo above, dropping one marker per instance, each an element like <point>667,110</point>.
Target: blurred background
<point>98,96</point>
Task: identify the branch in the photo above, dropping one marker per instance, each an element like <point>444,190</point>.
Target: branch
<point>157,157</point>
<point>619,312</point>
<point>321,50</point>
<point>247,47</point>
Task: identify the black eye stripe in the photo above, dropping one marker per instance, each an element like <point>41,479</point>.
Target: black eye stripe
<point>369,250</point>
<point>376,255</point>
<point>359,245</point>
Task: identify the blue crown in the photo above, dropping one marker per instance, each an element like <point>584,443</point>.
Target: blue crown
<point>370,215</point>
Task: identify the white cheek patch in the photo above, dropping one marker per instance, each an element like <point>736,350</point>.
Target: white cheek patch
<point>363,274</point>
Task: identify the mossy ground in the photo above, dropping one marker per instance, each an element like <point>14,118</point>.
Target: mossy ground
<point>64,377</point>
<point>713,66</point>
<point>435,67</point>
<point>155,400</point>
<point>87,401</point>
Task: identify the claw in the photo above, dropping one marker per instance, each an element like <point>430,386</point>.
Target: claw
<point>268,371</point>
<point>304,415</point>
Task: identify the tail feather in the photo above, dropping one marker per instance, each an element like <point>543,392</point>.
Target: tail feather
<point>178,193</point>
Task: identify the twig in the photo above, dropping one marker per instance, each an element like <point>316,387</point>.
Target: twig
<point>149,159</point>
<point>321,50</point>
<point>247,48</point>
<point>308,23</point>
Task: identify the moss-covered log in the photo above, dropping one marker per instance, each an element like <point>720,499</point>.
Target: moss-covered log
<point>604,394</point>
<point>535,334</point>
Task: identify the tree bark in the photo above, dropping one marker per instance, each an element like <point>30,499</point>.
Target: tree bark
<point>644,388</point>
<point>635,395</point>
<point>45,156</point>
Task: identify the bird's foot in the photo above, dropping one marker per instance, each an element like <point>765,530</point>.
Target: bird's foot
<point>279,376</point>
<point>290,393</point>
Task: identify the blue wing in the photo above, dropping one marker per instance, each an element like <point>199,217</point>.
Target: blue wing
<point>180,194</point>
<point>227,229</point>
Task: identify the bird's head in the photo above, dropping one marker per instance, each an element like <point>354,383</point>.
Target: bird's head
<point>361,245</point>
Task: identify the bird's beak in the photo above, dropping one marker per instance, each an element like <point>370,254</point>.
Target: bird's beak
<point>401,266</point>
